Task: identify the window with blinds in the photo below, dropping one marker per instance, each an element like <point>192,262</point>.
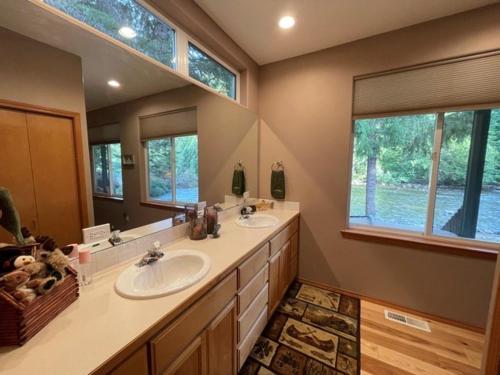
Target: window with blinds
<point>466,82</point>
<point>171,154</point>
<point>436,171</point>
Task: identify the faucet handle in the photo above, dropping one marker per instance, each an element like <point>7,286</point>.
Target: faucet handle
<point>157,245</point>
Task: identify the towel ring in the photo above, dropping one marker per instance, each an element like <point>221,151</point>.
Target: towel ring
<point>278,166</point>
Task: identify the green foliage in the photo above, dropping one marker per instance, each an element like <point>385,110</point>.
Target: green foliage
<point>403,147</point>
<point>186,161</point>
<point>154,38</point>
<point>402,144</point>
<point>207,70</point>
<point>160,168</point>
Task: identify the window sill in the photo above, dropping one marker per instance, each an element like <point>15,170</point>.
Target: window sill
<point>446,247</point>
<point>108,198</point>
<point>165,206</point>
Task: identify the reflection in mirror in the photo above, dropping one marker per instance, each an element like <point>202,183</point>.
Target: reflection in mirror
<point>184,143</point>
<point>111,131</point>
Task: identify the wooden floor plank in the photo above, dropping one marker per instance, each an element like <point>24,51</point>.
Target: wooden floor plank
<point>372,366</point>
<point>392,348</point>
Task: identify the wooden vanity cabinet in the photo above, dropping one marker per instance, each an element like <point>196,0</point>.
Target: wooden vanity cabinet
<point>283,264</point>
<point>201,336</point>
<point>136,364</point>
<point>274,285</point>
<point>216,334</point>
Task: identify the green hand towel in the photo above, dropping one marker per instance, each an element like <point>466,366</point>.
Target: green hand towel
<point>238,182</point>
<point>278,184</point>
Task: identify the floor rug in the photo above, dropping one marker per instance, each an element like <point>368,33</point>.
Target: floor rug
<point>314,331</point>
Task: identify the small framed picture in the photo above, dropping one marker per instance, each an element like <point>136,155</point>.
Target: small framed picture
<point>128,159</point>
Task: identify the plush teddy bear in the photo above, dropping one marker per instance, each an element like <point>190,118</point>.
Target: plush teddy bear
<point>15,283</point>
<point>35,269</point>
<point>23,260</point>
<point>55,258</point>
<point>42,285</point>
<point>8,254</point>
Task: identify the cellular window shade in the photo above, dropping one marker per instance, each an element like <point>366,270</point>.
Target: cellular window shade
<point>104,134</point>
<point>168,124</point>
<point>461,82</point>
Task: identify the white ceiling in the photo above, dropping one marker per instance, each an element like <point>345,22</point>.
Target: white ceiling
<point>101,59</point>
<point>320,23</point>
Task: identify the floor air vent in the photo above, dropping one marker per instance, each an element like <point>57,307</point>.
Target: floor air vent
<point>407,320</point>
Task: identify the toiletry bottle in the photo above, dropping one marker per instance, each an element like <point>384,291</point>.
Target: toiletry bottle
<point>85,258</point>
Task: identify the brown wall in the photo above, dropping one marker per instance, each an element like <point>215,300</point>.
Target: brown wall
<point>188,15</point>
<point>305,108</point>
<point>35,73</point>
<point>227,132</point>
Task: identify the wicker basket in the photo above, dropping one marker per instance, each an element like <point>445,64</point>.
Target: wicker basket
<point>19,323</point>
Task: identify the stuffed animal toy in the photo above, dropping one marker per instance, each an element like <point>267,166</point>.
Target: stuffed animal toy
<point>58,262</point>
<point>9,217</point>
<point>15,283</point>
<point>42,285</point>
<point>23,260</point>
<point>8,254</point>
<point>27,235</point>
<point>35,269</point>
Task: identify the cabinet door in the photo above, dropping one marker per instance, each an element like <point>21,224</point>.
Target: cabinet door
<point>274,283</point>
<point>284,276</point>
<point>221,336</point>
<point>294,257</point>
<point>136,364</point>
<point>55,176</point>
<point>191,361</point>
<point>15,168</point>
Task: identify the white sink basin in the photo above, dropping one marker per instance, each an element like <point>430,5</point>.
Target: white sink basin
<point>175,271</point>
<point>258,221</point>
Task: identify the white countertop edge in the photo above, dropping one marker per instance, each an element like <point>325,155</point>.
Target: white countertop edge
<point>101,323</point>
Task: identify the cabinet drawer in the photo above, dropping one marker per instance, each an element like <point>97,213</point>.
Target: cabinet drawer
<point>248,294</point>
<point>172,341</point>
<point>282,237</point>
<point>252,265</point>
<point>246,346</point>
<point>246,321</point>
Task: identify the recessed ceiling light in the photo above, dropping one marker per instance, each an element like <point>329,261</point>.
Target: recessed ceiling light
<point>113,83</point>
<point>127,32</point>
<point>287,22</point>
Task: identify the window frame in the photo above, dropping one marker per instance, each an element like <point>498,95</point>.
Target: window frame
<point>173,202</point>
<point>181,42</point>
<point>219,61</point>
<point>96,194</point>
<point>426,238</point>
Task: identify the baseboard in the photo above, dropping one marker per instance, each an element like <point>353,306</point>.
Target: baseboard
<point>422,314</point>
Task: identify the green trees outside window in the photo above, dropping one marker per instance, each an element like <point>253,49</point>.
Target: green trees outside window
<point>107,169</point>
<point>392,169</point>
<point>208,71</point>
<point>173,169</point>
<point>152,37</point>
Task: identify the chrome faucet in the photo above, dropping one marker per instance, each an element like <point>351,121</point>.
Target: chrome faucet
<point>151,256</point>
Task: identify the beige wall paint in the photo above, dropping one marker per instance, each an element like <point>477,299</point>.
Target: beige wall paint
<point>35,73</point>
<point>188,15</point>
<point>227,132</point>
<point>305,108</point>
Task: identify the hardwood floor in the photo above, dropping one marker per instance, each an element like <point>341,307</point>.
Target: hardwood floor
<point>391,348</point>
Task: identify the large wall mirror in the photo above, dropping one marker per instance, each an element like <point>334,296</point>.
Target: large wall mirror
<point>145,139</point>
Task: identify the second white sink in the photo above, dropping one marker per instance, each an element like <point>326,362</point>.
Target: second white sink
<point>258,221</point>
<point>175,271</point>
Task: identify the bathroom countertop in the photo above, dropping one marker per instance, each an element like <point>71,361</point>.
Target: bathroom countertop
<point>100,323</point>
